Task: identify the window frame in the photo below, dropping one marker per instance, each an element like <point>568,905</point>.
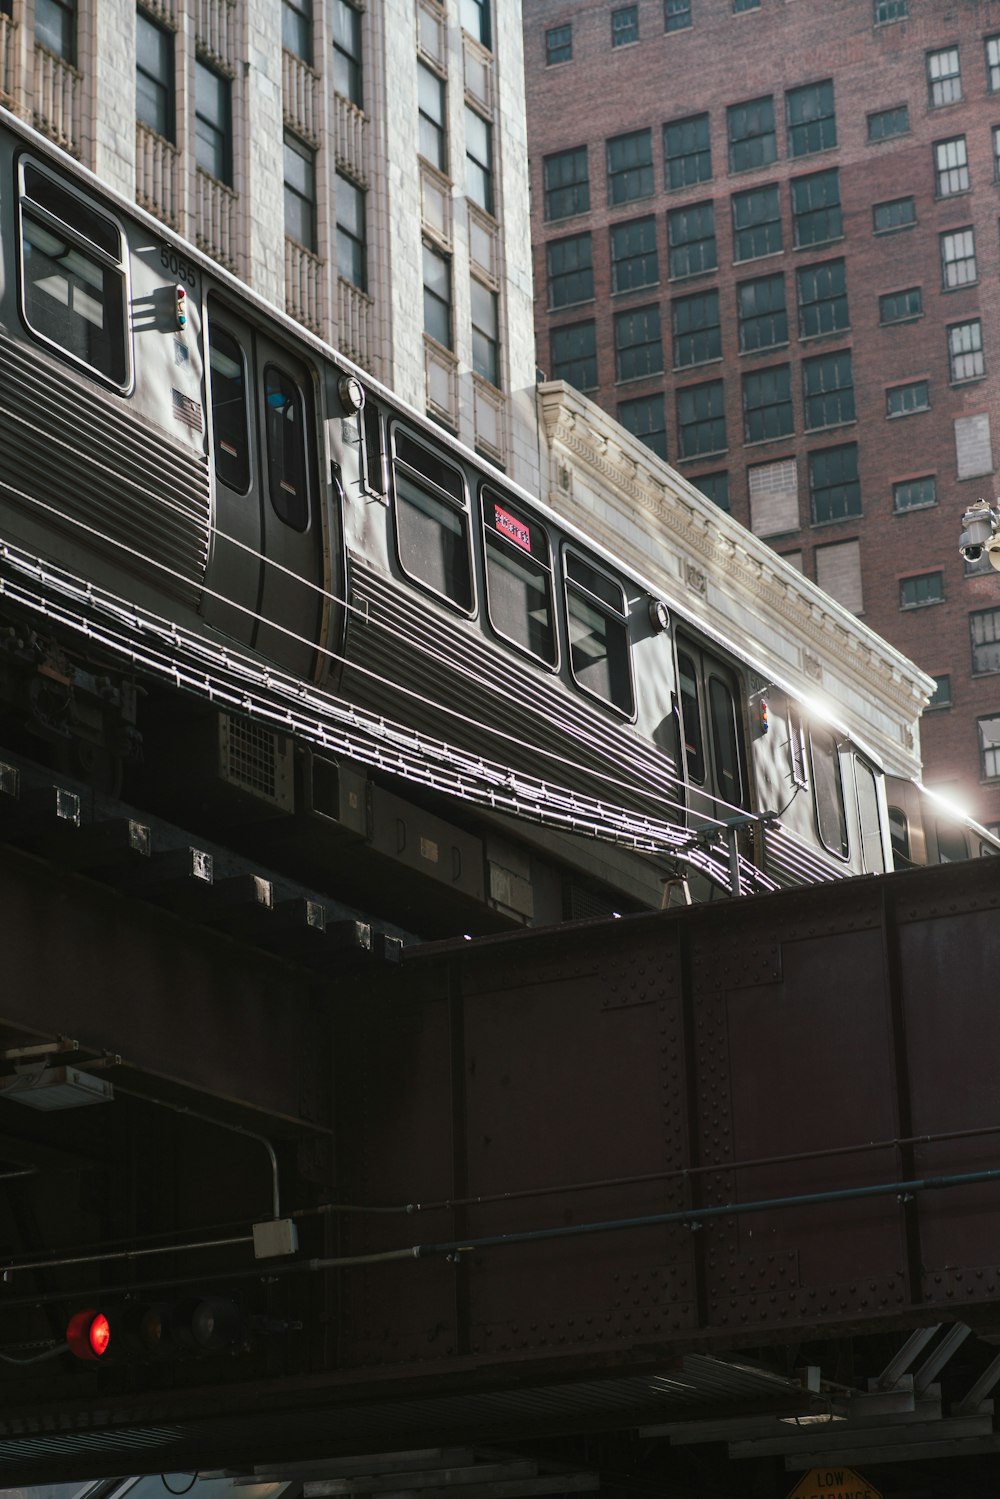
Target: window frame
<point>762,234</point>
<point>849,488</point>
<point>307,203</point>
<point>554,277</point>
<point>630,27</point>
<point>924,598</point>
<point>832,301</point>
<point>618,177</point>
<point>897,116</point>
<point>744,154</point>
<point>700,156</point>
<point>430,127</point>
<point>894,228</point>
<point>620,321</point>
<point>447,501</point>
<point>556,42</point>
<point>976,615</point>
<point>888,317</point>
<point>301,14</point>
<point>167,86</point>
<point>984,750</point>
<point>507,546</point>
<point>346,234</point>
<point>575,152</point>
<point>221,135</point>
<point>947,262</point>
<point>675,216</point>
<point>747,319</point>
<point>289,517</point>
<point>951,177</point>
<point>842,850</point>
<point>481,168</point>
<point>905,404</point>
<point>954,355</point>
<point>651,431</point>
<point>428,291</point>
<point>900,485</point>
<point>224,474</point>
<point>806,214</point>
<point>779,404</point>
<point>648,221</point>
<point>792,95</point>
<point>815,401</point>
<point>567,328</point>
<point>940,85</point>
<point>686,393</point>
<point>68,46</point>
<point>348,52</point>
<point>570,553</point>
<point>687,338</point>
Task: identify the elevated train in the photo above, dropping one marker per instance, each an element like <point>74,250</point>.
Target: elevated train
<point>170,439</point>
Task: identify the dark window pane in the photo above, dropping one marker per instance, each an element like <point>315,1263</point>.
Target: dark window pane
<point>432,525</point>
<point>633,255</point>
<point>432,142</point>
<point>476,20</point>
<point>352,256</point>
<point>767,404</point>
<point>286,448</point>
<point>485,333</point>
<point>558,45</point>
<point>676,15</point>
<point>834,484</point>
<point>691,240</point>
<point>300,192</point>
<point>519,579</point>
<point>687,151</point>
<point>725,738</point>
<point>697,334</point>
<point>762,316</point>
<point>900,306</point>
<point>574,355</point>
<point>888,122</point>
<point>924,588</point>
<point>570,268</point>
<point>690,706</point>
<point>913,494</point>
<point>810,119</point>
<point>230,425</point>
<point>638,348</point>
<point>752,141</point>
<point>567,188</point>
<point>756,223</point>
<point>828,390</point>
<point>478,160</point>
<point>822,298</point>
<point>213,124</point>
<point>715,487</point>
<point>828,789</point>
<point>625,26</point>
<point>816,211</point>
<point>984,626</point>
<point>630,166</point>
<point>644,418</point>
<point>701,419</point>
<point>347,59</point>
<point>296,28</point>
<point>598,633</point>
<point>898,213</point>
<point>154,76</point>
<point>55,27</point>
<point>437,296</point>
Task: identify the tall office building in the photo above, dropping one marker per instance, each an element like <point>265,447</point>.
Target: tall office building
<point>766,240</point>
<point>363,166</point>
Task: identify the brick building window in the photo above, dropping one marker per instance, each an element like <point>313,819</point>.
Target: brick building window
<point>883,124</point>
<point>944,80</point>
<point>574,355</point>
<point>300,191</point>
<point>752,140</point>
<point>701,419</point>
<point>352,251</point>
<point>676,15</point>
<point>630,167</point>
<point>558,45</point>
<point>297,28</point>
<point>638,347</point>
<point>485,332</point>
<point>571,270</point>
<point>810,119</point>
<point>833,483</point>
<point>905,400</point>
<point>714,487</point>
<point>565,183</point>
<point>898,213</point>
<point>828,390</point>
<point>941,696</point>
<point>996,153</point>
<point>951,167</point>
<point>437,296</point>
<point>973,446</point>
<point>697,334</point>
<point>634,261</point>
<point>741,5</point>
<point>432,135</point>
<point>767,404</point>
<point>992,46</point>
<point>625,26</point>
<point>763,318</point>
<point>154,76</point>
<point>774,497</point>
<point>924,588</point>
<point>914,494</point>
<point>900,306</point>
<point>645,420</point>
<point>213,123</point>
<point>756,223</point>
<point>989,747</point>
<point>691,240</point>
<point>958,258</point>
<point>55,27</point>
<point>347,72</point>
<point>816,211</point>
<point>687,151</point>
<point>984,628</point>
<point>822,298</point>
<point>890,10</point>
<point>478,160</point>
<point>965,351</point>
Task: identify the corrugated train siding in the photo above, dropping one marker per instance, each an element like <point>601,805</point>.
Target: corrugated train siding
<point>64,443</point>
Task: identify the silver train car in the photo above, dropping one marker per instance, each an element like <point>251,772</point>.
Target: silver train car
<point>169,441</point>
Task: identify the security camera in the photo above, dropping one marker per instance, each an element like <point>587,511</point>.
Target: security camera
<point>980,526</point>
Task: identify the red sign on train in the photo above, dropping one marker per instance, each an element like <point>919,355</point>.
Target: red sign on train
<point>508,525</point>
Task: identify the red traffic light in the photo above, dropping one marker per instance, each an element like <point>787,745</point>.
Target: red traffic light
<point>88,1334</point>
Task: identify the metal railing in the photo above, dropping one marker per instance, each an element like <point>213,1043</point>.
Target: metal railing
<point>304,285</point>
<point>156,175</point>
<point>216,207</point>
<point>57,102</point>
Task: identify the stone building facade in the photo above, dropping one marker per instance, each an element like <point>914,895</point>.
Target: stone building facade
<point>766,241</point>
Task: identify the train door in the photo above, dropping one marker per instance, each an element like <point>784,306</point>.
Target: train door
<point>265,569</point>
<point>713,736</point>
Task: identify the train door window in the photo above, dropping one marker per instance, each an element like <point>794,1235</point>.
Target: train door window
<point>432,522</point>
<point>73,277</point>
<point>951,842</point>
<point>598,634</point>
<point>899,835</point>
<point>374,467</point>
<point>872,851</point>
<point>828,789</point>
<point>286,448</point>
<point>230,423</point>
<point>519,579</point>
<point>726,741</point>
<point>694,741</point>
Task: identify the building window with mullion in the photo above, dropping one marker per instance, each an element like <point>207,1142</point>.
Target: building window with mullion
<point>485,332</point>
<point>638,347</point>
<point>478,160</point>
<point>687,151</point>
<point>984,626</point>
<point>828,390</point>
<point>676,15</point>
<point>476,21</point>
<point>816,212</point>
<point>810,119</point>
<point>696,329</point>
<point>213,123</point>
<point>992,45</point>
<point>352,250</point>
<point>763,318</point>
<point>437,296</point>
<point>644,418</point>
<point>558,45</point>
<point>701,419</point>
<point>634,261</point>
<point>822,298</point>
<point>951,167</point>
<point>154,76</point>
<point>566,183</point>
<point>691,240</point>
<point>833,484</point>
<point>752,140</point>
<point>347,57</point>
<point>571,270</point>
<point>297,29</point>
<point>958,258</point>
<point>432,133</point>
<point>989,746</point>
<point>756,223</point>
<point>55,28</point>
<point>574,355</point>
<point>300,192</point>
<point>965,351</point>
<point>944,79</point>
<point>767,404</point>
<point>625,26</point>
<point>630,167</point>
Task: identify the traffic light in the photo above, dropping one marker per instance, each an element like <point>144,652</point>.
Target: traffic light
<point>136,1330</point>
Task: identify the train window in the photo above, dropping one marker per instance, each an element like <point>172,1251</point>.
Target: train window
<point>899,836</point>
<point>374,469</point>
<point>230,424</point>
<point>951,843</point>
<point>598,634</point>
<point>872,852</point>
<point>725,739</point>
<point>519,579</point>
<point>432,522</point>
<point>286,448</point>
<point>694,744</point>
<point>828,787</point>
<point>73,280</point>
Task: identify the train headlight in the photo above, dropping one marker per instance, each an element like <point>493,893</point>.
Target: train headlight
<point>659,616</point>
<point>351,393</point>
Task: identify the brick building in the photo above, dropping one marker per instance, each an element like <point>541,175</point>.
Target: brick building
<point>766,239</point>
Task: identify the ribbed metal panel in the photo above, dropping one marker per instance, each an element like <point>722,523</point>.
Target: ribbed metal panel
<point>789,861</point>
<point>65,444</point>
<point>394,643</point>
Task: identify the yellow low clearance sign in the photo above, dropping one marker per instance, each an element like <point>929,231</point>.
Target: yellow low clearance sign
<point>833,1483</point>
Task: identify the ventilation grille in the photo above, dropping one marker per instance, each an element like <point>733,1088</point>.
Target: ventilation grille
<point>257,760</point>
